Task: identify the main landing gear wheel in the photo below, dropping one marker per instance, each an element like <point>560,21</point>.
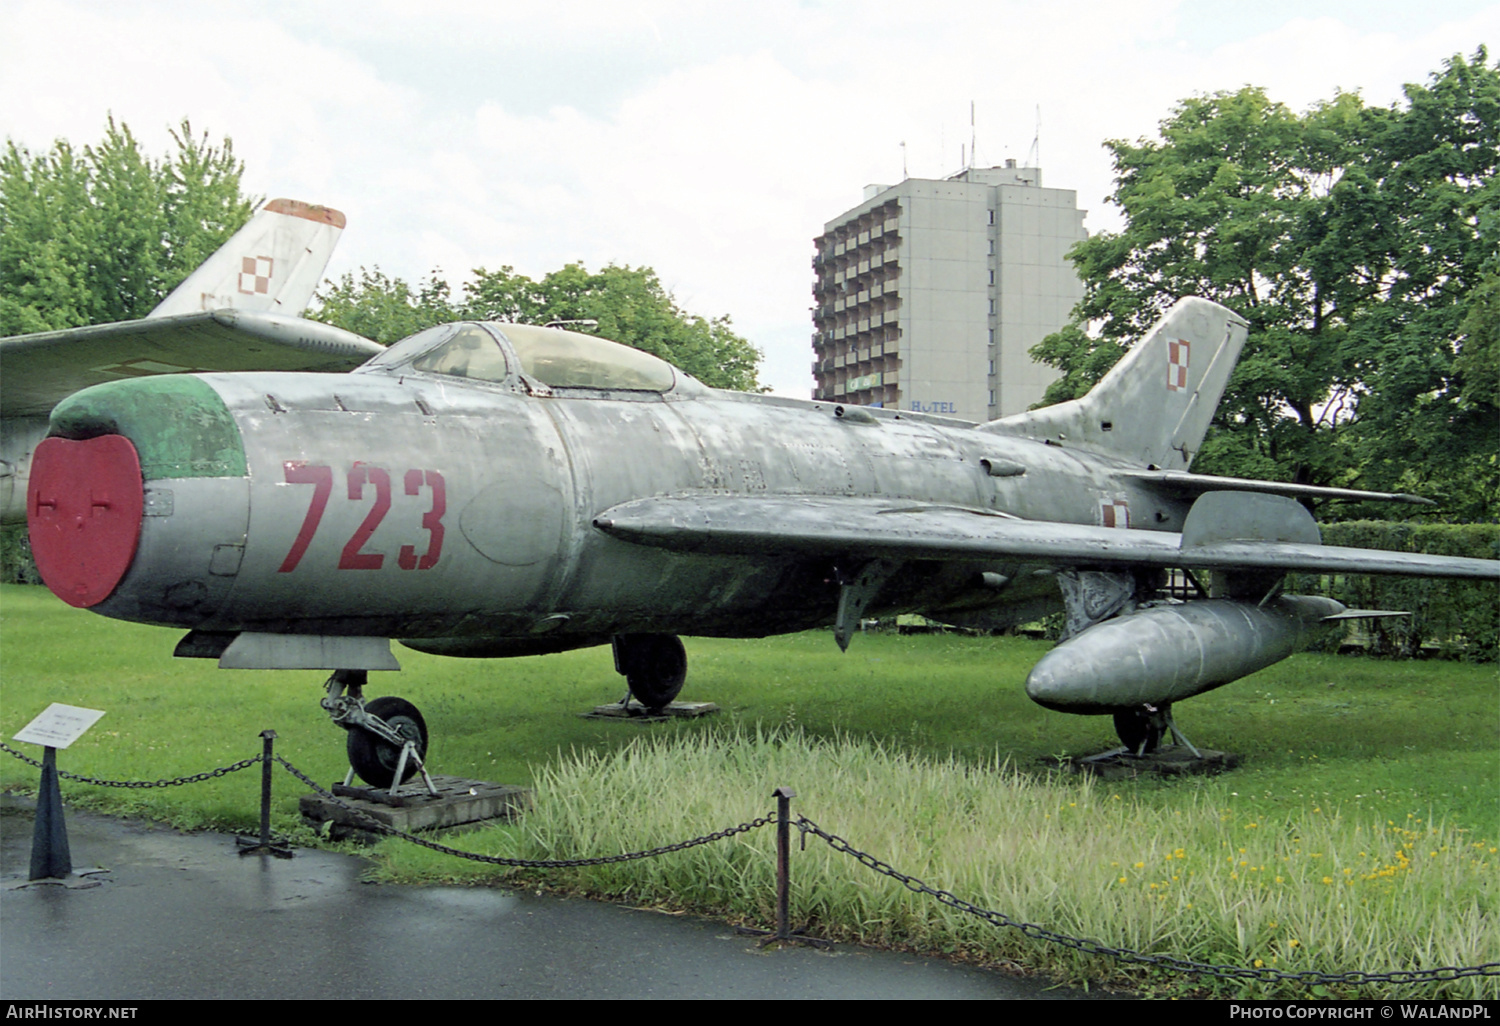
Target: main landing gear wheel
<point>1141,730</point>
<point>375,759</point>
<point>654,665</point>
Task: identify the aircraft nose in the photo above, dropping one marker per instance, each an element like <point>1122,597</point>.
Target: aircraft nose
<point>83,511</point>
<point>119,459</point>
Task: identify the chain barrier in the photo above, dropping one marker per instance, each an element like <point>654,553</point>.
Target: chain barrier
<point>196,778</point>
<point>497,860</point>
<point>838,844</point>
<point>1228,972</point>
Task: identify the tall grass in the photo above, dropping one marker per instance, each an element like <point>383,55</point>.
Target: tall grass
<point>1301,891</point>
<point>1380,776</point>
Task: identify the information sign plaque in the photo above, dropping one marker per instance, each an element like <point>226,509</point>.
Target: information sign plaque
<point>59,725</point>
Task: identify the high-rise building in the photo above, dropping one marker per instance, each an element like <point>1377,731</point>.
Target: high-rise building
<point>930,293</point>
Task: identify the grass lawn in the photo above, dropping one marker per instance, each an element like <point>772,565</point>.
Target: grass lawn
<point>1355,769</point>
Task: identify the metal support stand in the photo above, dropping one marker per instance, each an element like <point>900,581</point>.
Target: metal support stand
<point>265,846</point>
<point>50,857</point>
<point>408,754</point>
<point>1180,736</point>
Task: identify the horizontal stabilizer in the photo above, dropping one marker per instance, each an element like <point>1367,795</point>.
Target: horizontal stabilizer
<point>1182,483</point>
<point>838,527</point>
<point>1365,614</point>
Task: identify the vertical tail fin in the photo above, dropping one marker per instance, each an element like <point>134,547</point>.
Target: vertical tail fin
<point>271,265</point>
<point>1154,406</point>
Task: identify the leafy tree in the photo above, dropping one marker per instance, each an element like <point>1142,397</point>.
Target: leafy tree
<point>629,304</point>
<point>1359,242</point>
<point>104,234</point>
<point>384,309</point>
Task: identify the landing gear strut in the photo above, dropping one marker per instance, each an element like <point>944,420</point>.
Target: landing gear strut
<point>654,665</point>
<point>387,741</point>
<point>1141,729</point>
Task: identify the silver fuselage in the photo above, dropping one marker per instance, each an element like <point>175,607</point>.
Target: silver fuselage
<point>519,565</point>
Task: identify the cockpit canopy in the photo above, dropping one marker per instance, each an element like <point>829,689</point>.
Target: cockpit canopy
<point>497,353</point>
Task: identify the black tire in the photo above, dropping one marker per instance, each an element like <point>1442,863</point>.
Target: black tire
<point>655,667</point>
<point>374,759</point>
<point>1135,726</point>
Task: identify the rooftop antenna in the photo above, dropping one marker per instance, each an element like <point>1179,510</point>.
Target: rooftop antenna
<point>973,143</point>
<point>1034,155</point>
<point>904,175</point>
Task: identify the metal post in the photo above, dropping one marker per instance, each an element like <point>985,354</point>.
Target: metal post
<point>265,845</point>
<point>269,739</point>
<point>784,796</point>
<point>784,932</point>
<point>50,857</point>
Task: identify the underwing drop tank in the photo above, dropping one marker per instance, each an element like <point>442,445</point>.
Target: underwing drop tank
<point>1165,653</point>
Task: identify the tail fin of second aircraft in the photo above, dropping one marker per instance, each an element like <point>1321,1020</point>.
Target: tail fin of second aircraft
<point>272,265</point>
<point>1154,406</point>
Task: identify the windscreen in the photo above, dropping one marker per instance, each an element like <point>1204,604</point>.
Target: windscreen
<point>568,359</point>
<point>471,353</point>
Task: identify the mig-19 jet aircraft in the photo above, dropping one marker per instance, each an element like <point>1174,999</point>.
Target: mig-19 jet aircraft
<point>490,490</point>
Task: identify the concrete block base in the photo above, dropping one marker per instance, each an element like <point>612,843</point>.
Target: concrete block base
<point>634,710</point>
<point>460,803</point>
<point>1166,761</point>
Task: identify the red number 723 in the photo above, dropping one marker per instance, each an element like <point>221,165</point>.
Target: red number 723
<point>320,476</point>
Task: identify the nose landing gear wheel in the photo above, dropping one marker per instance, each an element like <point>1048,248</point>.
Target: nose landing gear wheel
<point>375,759</point>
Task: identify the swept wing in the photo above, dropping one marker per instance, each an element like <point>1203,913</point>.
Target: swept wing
<point>885,529</point>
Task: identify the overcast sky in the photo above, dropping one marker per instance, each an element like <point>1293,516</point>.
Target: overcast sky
<point>710,141</point>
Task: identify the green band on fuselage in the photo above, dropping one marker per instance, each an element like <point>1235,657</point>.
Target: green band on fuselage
<point>177,422</point>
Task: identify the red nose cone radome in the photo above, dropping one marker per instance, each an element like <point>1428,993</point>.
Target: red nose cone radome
<point>83,511</point>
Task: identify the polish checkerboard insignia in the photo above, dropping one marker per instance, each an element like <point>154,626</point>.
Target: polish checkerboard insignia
<point>1114,512</point>
<point>255,275</point>
<point>1177,364</point>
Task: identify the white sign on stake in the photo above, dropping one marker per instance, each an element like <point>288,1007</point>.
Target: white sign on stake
<point>59,725</point>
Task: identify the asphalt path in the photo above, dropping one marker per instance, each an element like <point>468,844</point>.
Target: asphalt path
<point>179,915</point>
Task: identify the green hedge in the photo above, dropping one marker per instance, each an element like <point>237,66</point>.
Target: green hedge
<point>16,565</point>
<point>1460,618</point>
